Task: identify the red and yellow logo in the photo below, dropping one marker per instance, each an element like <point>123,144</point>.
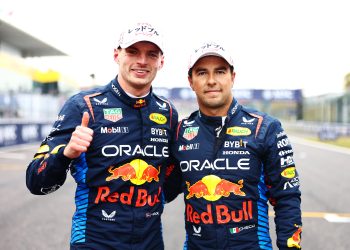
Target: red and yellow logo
<point>140,103</point>
<point>137,172</point>
<point>294,241</point>
<point>158,118</point>
<point>212,188</point>
<point>43,152</point>
<point>238,131</point>
<point>289,172</point>
<point>221,213</point>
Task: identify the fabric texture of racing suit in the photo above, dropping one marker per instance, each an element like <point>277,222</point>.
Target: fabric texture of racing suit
<point>119,197</point>
<point>230,169</point>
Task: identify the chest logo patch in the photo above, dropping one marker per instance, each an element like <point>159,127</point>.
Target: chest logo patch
<point>238,131</point>
<point>190,133</point>
<point>158,118</point>
<point>113,114</point>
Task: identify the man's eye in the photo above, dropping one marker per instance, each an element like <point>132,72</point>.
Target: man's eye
<point>153,54</point>
<point>131,51</point>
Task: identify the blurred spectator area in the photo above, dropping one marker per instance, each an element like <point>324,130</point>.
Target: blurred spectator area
<point>27,93</point>
<point>29,107</point>
<point>282,103</point>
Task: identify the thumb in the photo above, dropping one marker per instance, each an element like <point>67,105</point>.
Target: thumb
<point>85,119</point>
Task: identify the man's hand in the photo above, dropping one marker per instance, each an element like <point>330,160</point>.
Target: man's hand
<point>80,140</point>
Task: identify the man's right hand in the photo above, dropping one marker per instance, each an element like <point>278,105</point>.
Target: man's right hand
<point>80,140</point>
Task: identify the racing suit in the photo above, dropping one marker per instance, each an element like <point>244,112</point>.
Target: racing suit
<point>230,168</point>
<point>119,196</point>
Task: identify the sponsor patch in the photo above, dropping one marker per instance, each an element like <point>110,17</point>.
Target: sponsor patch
<point>190,133</point>
<point>238,131</point>
<point>113,114</point>
<point>289,172</point>
<point>158,118</point>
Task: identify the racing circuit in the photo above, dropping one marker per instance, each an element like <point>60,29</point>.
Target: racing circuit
<point>29,222</point>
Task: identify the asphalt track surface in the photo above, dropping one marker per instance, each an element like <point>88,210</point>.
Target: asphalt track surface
<point>32,222</point>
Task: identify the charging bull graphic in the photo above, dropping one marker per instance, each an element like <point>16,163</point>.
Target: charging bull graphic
<point>137,171</point>
<point>126,172</point>
<point>212,187</point>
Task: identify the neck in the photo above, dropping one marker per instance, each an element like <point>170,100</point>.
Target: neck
<point>132,91</point>
<point>214,111</point>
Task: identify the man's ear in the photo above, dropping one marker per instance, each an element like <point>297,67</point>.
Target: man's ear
<point>191,82</point>
<point>116,55</point>
<point>161,64</point>
<point>233,78</point>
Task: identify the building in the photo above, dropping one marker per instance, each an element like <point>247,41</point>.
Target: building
<point>23,87</point>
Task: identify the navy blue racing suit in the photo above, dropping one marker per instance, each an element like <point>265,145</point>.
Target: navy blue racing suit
<point>119,196</point>
<point>230,168</point>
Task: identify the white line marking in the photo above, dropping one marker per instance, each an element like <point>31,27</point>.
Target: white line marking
<point>20,147</point>
<point>336,218</point>
<point>17,156</point>
<point>319,145</point>
<point>330,217</point>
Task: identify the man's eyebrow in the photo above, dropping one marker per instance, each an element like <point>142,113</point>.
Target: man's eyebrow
<point>221,68</point>
<point>200,69</point>
<point>216,68</point>
<point>131,47</point>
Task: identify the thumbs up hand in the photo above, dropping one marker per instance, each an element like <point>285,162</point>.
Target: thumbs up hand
<point>80,139</point>
<point>85,120</point>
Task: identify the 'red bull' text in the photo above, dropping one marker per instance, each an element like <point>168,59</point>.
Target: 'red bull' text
<point>140,197</point>
<point>222,212</point>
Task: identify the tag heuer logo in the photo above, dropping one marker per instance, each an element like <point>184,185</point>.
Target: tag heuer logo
<point>190,133</point>
<point>113,115</point>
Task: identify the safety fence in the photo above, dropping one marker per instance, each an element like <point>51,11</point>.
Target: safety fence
<point>322,130</point>
<point>21,133</point>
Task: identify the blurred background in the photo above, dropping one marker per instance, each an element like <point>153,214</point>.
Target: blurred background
<point>292,60</point>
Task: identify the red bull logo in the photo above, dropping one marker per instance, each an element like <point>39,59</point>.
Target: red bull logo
<point>126,172</point>
<point>140,103</point>
<point>294,241</point>
<point>143,198</point>
<point>222,213</point>
<point>150,173</point>
<point>212,188</point>
<point>137,171</point>
<point>199,189</point>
